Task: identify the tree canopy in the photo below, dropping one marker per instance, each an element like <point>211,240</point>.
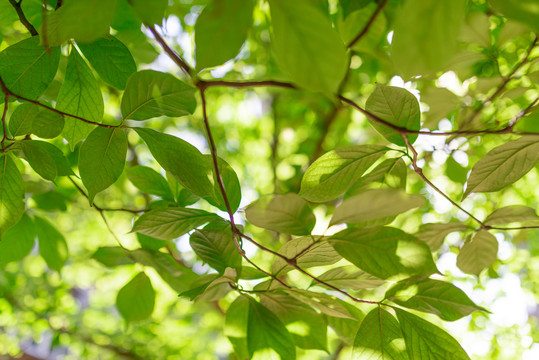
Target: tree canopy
<point>269,179</point>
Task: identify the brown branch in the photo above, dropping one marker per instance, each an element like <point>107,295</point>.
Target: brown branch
<point>17,6</point>
<point>171,53</point>
<point>8,92</point>
<point>369,23</point>
<point>4,112</point>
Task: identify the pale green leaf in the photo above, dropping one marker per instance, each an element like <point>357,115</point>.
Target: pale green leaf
<point>349,277</point>
<point>220,31</point>
<point>385,252</point>
<point>503,165</point>
<point>427,341</point>
<point>236,321</point>
<point>150,12</point>
<point>478,254</point>
<point>111,59</point>
<point>425,35</point>
<point>182,160</point>
<point>441,102</point>
<point>357,21</point>
<point>17,242</point>
<point>217,248</point>
<point>525,11</point>
<point>32,119</point>
<point>334,172</point>
<point>396,106</point>
<point>306,45</point>
<point>27,68</point>
<point>509,214</point>
<point>379,338</point>
<point>289,214</point>
<point>149,181</point>
<point>112,256</point>
<point>136,300</point>
<point>434,234</point>
<point>433,296</point>
<point>84,21</point>
<point>172,222</point>
<point>324,303</point>
<point>379,205</point>
<point>79,95</point>
<point>102,159</point>
<point>390,172</point>
<point>52,244</point>
<point>151,243</point>
<point>150,94</point>
<point>12,190</point>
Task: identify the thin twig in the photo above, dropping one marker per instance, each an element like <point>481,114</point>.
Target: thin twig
<point>171,53</point>
<point>4,112</point>
<point>369,23</point>
<point>17,6</point>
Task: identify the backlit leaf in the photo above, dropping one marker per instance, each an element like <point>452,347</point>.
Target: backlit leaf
<point>11,193</point>
<point>32,119</point>
<point>434,234</point>
<point>217,248</point>
<point>149,181</point>
<point>136,300</point>
<point>512,213</point>
<point>478,254</point>
<point>17,242</point>
<point>52,244</point>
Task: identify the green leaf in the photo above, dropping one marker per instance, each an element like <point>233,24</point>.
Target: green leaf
<point>379,338</point>
<point>84,21</point>
<point>51,200</point>
<point>46,159</point>
<point>32,119</point>
<point>237,317</point>
<point>267,337</point>
<point>357,21</point>
<point>52,244</point>
<point>149,181</point>
<point>111,59</point>
<point>148,242</point>
<point>150,12</point>
<point>525,11</point>
<point>512,213</point>
<point>427,341</point>
<point>390,172</point>
<point>181,159</point>
<point>326,304</point>
<point>308,252</point>
<point>79,95</point>
<point>385,252</point>
<point>433,296</point>
<point>231,183</point>
<point>150,94</point>
<point>308,329</point>
<point>306,45</point>
<point>503,165</point>
<point>478,254</point>
<point>455,171</point>
<point>334,172</point>
<point>434,234</point>
<point>425,35</point>
<point>102,159</point>
<point>348,277</point>
<point>112,256</point>
<point>346,328</point>
<point>17,242</point>
<point>220,31</point>
<point>377,205</point>
<point>136,300</point>
<point>217,248</point>
<point>11,193</point>
<point>170,223</point>
<point>288,214</point>
<point>396,106</point>
<point>27,68</point>
<point>199,286</point>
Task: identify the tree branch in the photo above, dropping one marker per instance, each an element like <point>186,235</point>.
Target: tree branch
<point>4,112</point>
<point>171,53</point>
<point>17,6</point>
<point>369,24</point>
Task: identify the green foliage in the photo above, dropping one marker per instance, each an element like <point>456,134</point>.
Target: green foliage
<point>296,176</point>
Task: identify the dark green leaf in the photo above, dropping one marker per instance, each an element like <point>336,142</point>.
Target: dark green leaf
<point>149,94</point>
<point>379,338</point>
<point>503,165</point>
<point>237,317</point>
<point>149,181</point>
<point>306,45</point>
<point>396,106</point>
<point>46,159</point>
<point>231,183</point>
<point>111,59</point>
<point>334,172</point>
<point>433,296</point>
<point>11,193</point>
<point>52,244</point>
<point>427,341</point>
<point>478,254</point>
<point>136,300</point>
<point>220,31</point>
<point>27,68</point>
<point>51,200</point>
<point>17,242</point>
<point>217,248</point>
<point>509,214</point>
<point>289,214</point>
<point>377,205</point>
<point>79,95</point>
<point>385,252</point>
<point>102,159</point>
<point>32,119</point>
<point>172,222</point>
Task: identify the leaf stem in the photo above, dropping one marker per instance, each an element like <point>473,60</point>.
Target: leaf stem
<point>369,24</point>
